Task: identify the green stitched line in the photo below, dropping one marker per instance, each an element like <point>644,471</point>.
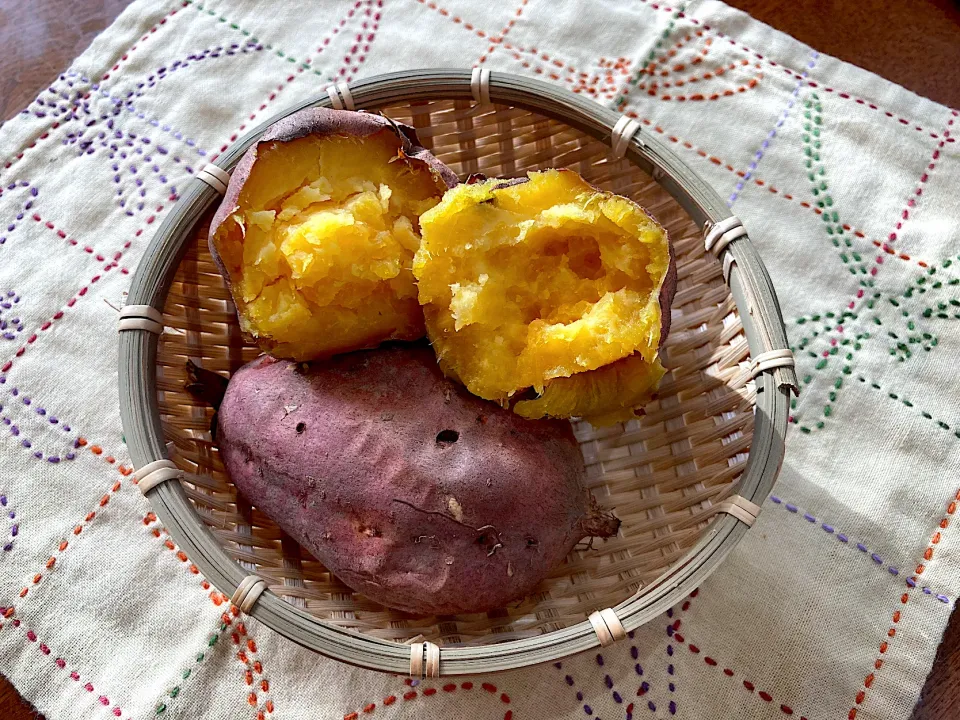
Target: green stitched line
<point>893,396</point>
<point>904,344</point>
<point>901,350</point>
<point>189,672</point>
<point>813,121</point>
<point>944,310</point>
<point>851,347</point>
<point>621,100</point>
<point>830,321</point>
<point>199,7</point>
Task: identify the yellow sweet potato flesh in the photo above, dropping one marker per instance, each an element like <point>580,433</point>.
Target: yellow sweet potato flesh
<point>546,284</point>
<point>321,243</point>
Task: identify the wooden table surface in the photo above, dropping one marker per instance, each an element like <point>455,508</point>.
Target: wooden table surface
<point>915,44</point>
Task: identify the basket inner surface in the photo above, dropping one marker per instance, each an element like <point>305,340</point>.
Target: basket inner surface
<point>662,474</point>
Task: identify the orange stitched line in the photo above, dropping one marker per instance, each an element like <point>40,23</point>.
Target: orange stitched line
<point>63,544</point>
<point>705,75</point>
<point>539,70</point>
<point>503,33</point>
<point>543,56</point>
<point>610,88</point>
<point>680,67</point>
<point>904,599</point>
<point>499,41</point>
<point>110,459</point>
<point>252,674</point>
<point>672,51</point>
<point>454,18</point>
<point>651,68</point>
<point>696,97</point>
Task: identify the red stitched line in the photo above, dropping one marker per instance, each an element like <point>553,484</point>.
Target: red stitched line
<point>8,613</point>
<point>746,684</point>
<point>868,681</point>
<point>133,47</point>
<point>65,236</point>
<point>872,106</point>
<point>589,85</point>
<point>319,51</point>
<point>698,97</point>
<point>760,182</point>
<point>43,136</point>
<point>515,48</point>
<point>370,37</point>
<point>79,294</point>
<point>918,191</point>
<point>795,74</point>
<point>707,659</point>
<point>428,692</point>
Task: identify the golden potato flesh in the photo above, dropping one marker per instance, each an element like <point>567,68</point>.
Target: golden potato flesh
<point>546,284</point>
<point>318,240</point>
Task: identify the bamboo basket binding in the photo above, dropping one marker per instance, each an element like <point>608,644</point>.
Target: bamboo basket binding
<point>686,479</point>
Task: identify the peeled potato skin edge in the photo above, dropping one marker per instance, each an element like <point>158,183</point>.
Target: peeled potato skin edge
<point>318,124</point>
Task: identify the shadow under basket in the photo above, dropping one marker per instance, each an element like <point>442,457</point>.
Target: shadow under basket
<point>685,479</point>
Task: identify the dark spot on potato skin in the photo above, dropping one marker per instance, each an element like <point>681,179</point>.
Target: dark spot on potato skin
<point>301,426</point>
<point>445,438</point>
<point>389,536</point>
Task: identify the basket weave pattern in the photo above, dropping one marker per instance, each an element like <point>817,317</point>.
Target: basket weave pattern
<point>663,474</point>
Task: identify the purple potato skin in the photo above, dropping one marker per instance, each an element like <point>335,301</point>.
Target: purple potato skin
<point>353,458</point>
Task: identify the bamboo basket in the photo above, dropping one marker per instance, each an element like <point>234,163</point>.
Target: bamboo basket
<point>679,477</point>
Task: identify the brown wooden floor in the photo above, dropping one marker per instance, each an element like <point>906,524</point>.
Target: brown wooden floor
<point>915,44</point>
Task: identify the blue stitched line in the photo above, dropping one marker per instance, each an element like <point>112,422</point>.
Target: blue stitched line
<point>671,670</point>
<point>14,526</point>
<point>830,530</point>
<point>608,681</point>
<point>130,108</point>
<point>773,132</point>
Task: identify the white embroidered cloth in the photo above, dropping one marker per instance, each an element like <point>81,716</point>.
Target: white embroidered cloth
<point>833,605</point>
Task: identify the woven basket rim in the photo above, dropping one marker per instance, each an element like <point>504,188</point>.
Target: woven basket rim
<point>749,285</point>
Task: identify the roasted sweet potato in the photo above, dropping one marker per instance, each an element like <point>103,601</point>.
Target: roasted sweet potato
<point>412,491</point>
<point>547,287</point>
<point>317,231</point>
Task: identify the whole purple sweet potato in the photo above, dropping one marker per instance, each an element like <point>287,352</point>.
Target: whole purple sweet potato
<point>412,491</point>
